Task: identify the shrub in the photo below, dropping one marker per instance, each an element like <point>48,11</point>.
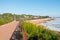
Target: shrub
<point>39,32</point>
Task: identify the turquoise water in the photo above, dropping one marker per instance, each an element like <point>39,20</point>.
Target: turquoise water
<point>53,24</point>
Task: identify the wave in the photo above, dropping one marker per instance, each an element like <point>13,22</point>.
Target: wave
<point>53,25</point>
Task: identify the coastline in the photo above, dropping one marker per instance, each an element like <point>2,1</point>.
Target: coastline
<point>40,21</point>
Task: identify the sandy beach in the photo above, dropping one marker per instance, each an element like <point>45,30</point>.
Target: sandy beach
<point>39,21</point>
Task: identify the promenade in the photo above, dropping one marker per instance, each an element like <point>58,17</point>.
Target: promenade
<point>7,30</point>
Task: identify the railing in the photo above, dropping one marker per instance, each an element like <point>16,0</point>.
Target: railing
<point>16,34</point>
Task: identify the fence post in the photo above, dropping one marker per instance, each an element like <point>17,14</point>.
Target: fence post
<point>24,35</point>
<point>23,32</point>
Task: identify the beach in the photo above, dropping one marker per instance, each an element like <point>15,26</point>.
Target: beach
<point>53,24</point>
<point>50,23</point>
<point>39,21</point>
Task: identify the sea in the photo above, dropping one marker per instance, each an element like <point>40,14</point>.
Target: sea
<point>53,24</point>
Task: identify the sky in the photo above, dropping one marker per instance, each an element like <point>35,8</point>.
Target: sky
<point>33,7</point>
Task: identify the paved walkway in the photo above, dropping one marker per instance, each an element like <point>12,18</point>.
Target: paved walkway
<point>7,30</point>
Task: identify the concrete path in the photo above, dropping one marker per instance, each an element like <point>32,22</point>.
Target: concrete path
<point>7,30</point>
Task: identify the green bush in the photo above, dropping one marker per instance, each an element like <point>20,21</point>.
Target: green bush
<point>39,32</point>
<point>5,20</point>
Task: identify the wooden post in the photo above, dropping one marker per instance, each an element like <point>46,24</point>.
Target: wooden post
<point>24,35</point>
<point>23,32</point>
<point>38,36</point>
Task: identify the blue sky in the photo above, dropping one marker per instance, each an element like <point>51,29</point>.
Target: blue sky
<point>34,7</point>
